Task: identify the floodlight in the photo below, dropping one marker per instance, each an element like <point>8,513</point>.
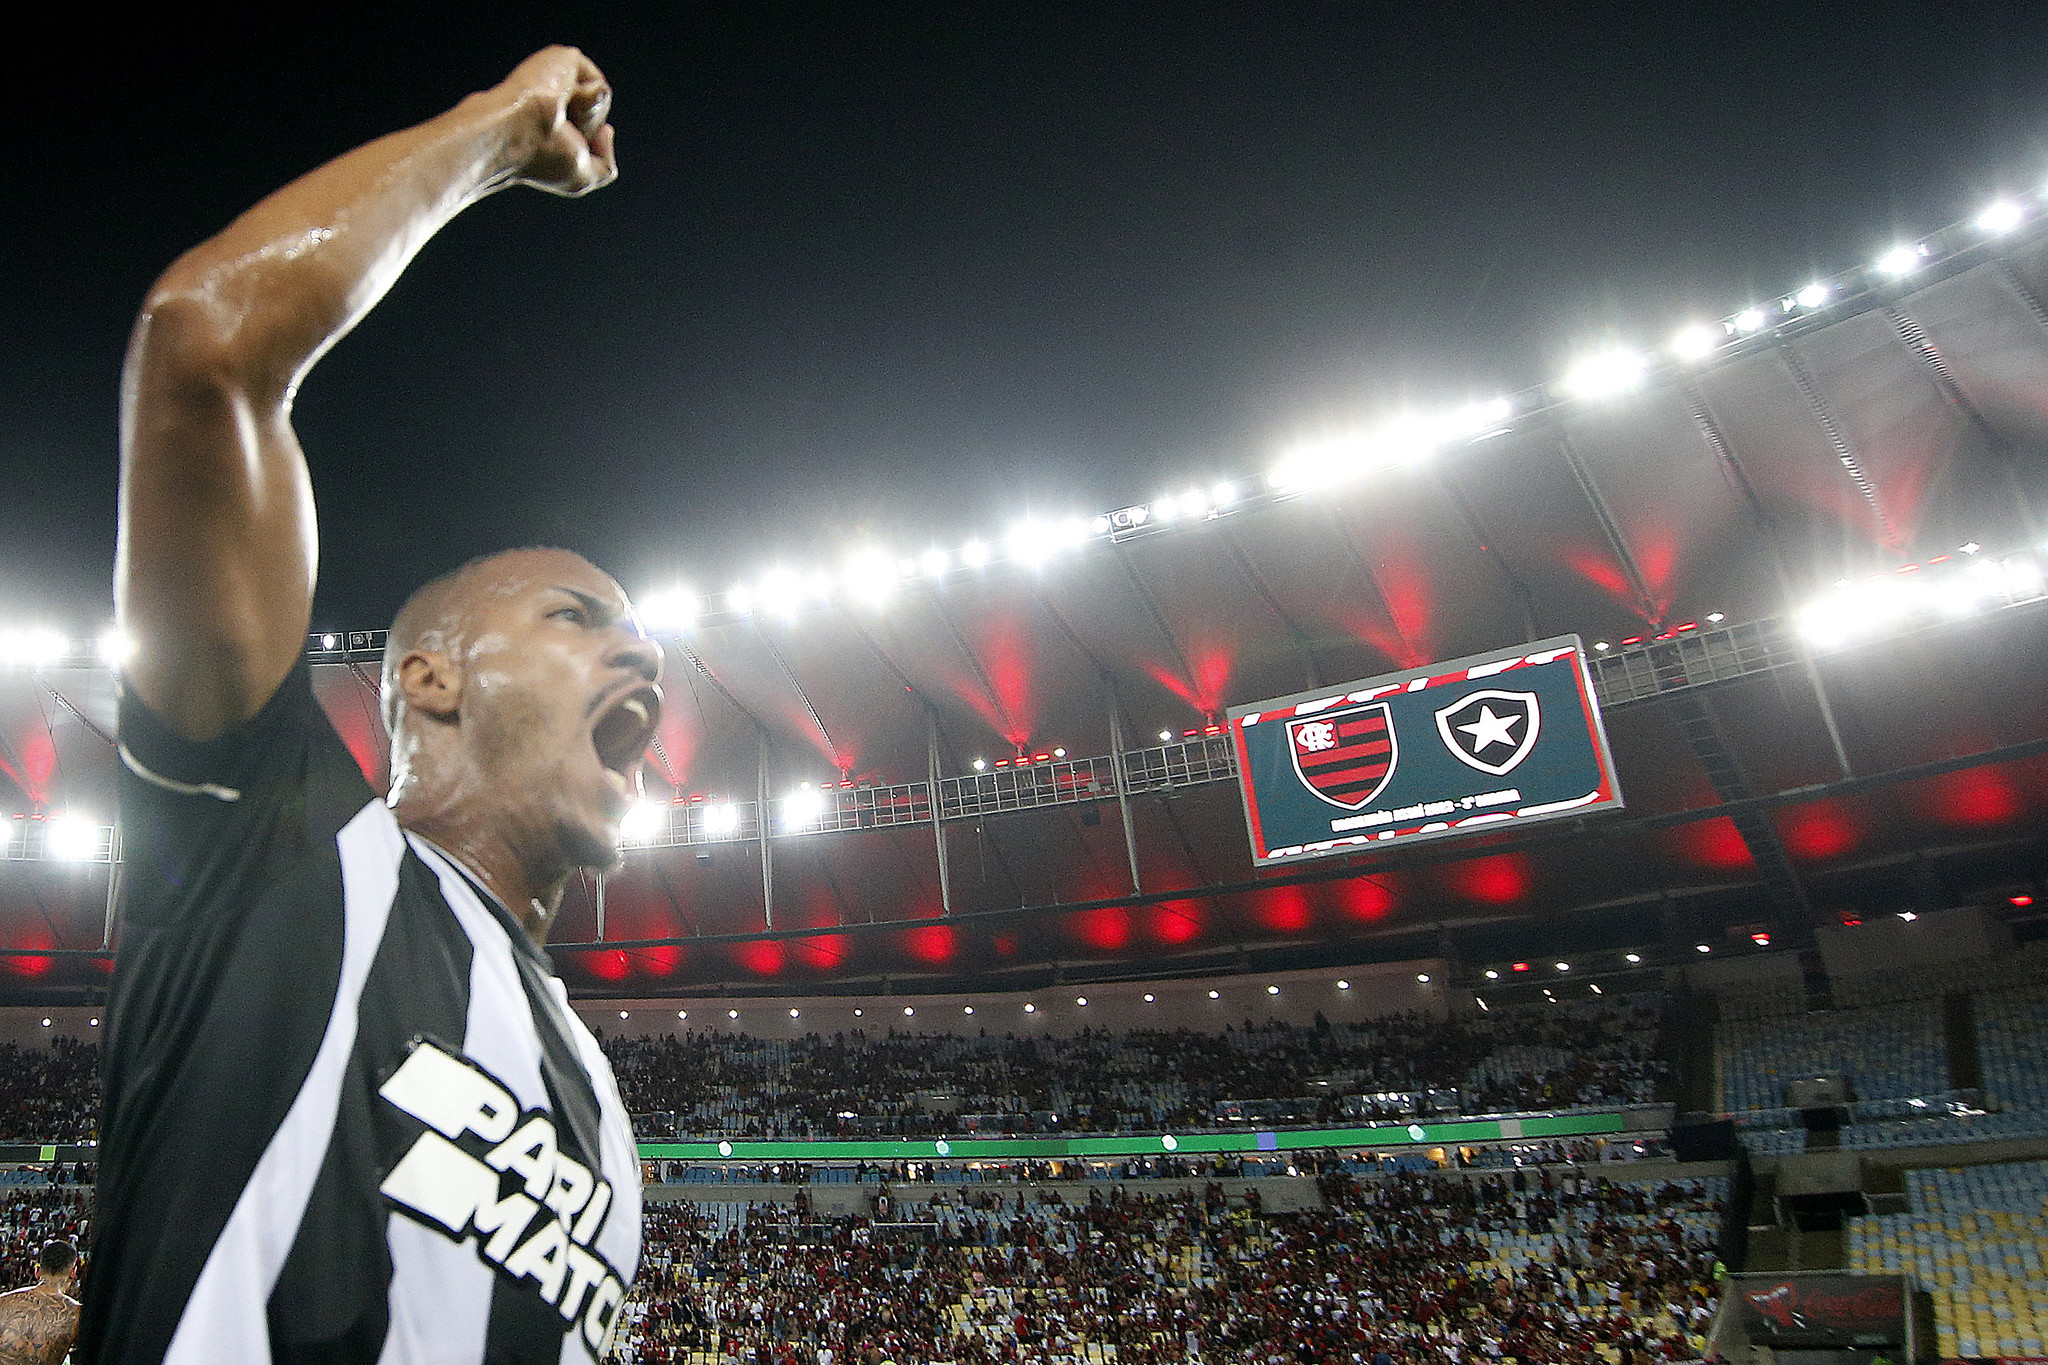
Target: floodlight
<point>1166,736</point>
<point>32,648</point>
<point>1223,494</point>
<point>1272,990</point>
<point>1100,526</point>
<point>870,578</point>
<point>116,647</point>
<point>722,818</point>
<point>1149,997</point>
<point>1476,419</point>
<point>1695,343</point>
<point>740,599</point>
<point>1605,374</point>
<point>1080,999</point>
<point>1343,985</point>
<point>326,642</point>
<point>782,592</point>
<point>1492,975</point>
<point>72,839</point>
<point>935,562</point>
<point>793,1013</point>
<point>1825,623</point>
<point>909,1010</point>
<point>1900,260</point>
<point>980,764</point>
<point>1813,296</point>
<point>1215,995</point>
<point>642,822</point>
<point>974,554</point>
<point>2000,217</point>
<point>1030,1008</point>
<point>1423,977</point>
<point>1633,957</point>
<point>668,609</point>
<point>804,806</point>
<point>967,1009</point>
<point>819,586</point>
<point>1750,320</point>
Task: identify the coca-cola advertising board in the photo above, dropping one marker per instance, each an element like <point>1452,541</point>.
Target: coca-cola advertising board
<point>1822,1310</point>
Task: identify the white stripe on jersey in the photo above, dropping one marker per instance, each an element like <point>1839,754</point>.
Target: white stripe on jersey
<point>619,1243</point>
<point>225,1318</point>
<point>440,1296</point>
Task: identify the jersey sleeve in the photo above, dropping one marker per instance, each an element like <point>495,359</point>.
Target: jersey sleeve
<point>200,821</point>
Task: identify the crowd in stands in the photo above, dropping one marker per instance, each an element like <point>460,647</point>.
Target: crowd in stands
<point>51,1094</point>
<point>1545,1057</point>
<point>1976,1238</point>
<point>1436,1269</point>
<point>31,1215</point>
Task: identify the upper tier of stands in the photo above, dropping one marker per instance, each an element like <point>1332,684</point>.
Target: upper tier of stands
<point>1593,1053</point>
<point>1897,1058</point>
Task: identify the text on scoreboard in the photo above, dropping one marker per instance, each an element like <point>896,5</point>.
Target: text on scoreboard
<point>1456,747</point>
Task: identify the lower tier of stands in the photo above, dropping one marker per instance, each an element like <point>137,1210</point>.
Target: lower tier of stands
<point>1543,1267</point>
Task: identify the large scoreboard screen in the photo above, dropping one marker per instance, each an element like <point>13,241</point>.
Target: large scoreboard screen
<point>1456,747</point>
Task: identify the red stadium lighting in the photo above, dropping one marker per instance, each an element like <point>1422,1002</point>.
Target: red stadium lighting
<point>2022,900</point>
<point>1520,966</point>
<point>1760,940</point>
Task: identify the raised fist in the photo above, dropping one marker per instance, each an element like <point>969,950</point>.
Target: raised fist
<point>568,101</point>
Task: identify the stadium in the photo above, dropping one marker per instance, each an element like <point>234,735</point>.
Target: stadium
<point>1001,968</point>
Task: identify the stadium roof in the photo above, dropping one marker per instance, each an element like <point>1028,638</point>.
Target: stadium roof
<point>1789,748</point>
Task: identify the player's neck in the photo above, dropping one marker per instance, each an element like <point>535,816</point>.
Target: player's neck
<point>489,860</point>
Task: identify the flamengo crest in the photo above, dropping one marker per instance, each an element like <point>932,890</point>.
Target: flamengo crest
<point>1346,757</point>
<point>1492,731</point>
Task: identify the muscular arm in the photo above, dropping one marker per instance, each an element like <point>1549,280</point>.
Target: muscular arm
<point>213,576</point>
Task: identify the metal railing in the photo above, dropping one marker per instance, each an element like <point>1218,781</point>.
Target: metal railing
<point>1637,673</point>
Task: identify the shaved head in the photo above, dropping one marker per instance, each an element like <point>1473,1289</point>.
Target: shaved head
<point>434,617</point>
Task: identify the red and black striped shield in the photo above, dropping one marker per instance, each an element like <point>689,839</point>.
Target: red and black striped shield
<point>1346,757</point>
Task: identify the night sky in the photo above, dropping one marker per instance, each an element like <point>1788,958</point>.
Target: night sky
<point>909,274</point>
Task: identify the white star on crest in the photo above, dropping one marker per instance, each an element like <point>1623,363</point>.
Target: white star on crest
<point>1489,729</point>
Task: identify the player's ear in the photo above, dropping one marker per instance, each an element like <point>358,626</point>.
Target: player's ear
<point>431,683</point>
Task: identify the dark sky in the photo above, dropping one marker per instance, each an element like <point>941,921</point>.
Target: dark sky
<point>908,273</point>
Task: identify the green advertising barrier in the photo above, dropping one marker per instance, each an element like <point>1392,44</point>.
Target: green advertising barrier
<point>1134,1144</point>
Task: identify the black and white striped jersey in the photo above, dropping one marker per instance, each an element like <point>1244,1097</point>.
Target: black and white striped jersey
<point>349,1115</point>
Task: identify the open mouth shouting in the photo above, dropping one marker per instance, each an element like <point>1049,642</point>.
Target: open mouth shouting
<point>622,733</point>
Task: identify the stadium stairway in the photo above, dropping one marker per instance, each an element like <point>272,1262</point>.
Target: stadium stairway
<point>1685,1045</point>
<point>1959,1030</point>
